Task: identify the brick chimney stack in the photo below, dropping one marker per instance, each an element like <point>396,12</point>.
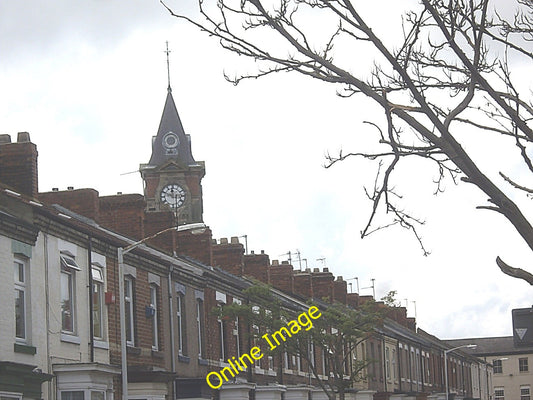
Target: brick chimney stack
<point>257,266</point>
<point>228,255</point>
<point>18,164</point>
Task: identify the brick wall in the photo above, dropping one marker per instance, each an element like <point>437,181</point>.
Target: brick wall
<point>18,164</point>
<point>322,283</point>
<point>123,214</point>
<point>352,299</point>
<point>282,276</point>
<point>196,245</point>
<point>340,291</point>
<point>82,201</point>
<point>228,255</point>
<point>141,354</point>
<point>303,284</point>
<point>257,266</point>
<point>155,222</point>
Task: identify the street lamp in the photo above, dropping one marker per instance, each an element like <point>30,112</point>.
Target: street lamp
<point>469,346</point>
<point>195,228</point>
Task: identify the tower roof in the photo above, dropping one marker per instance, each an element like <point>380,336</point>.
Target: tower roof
<point>171,142</point>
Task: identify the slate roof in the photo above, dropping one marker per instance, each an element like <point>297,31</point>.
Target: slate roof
<point>491,346</point>
<point>171,122</point>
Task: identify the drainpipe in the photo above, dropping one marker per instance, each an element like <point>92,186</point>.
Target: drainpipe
<point>51,391</point>
<point>172,344</point>
<point>91,305</point>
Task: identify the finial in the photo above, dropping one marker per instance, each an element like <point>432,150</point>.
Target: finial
<point>167,51</point>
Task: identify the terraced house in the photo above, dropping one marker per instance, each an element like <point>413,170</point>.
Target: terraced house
<point>92,310</point>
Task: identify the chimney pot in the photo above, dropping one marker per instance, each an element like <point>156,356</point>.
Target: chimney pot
<point>252,252</point>
<point>23,137</point>
<point>285,262</point>
<point>55,189</point>
<point>308,270</point>
<point>262,252</point>
<point>119,193</point>
<point>70,188</point>
<point>325,269</point>
<point>5,139</point>
<point>234,240</point>
<point>275,263</point>
<point>316,269</point>
<point>339,278</point>
<point>223,240</point>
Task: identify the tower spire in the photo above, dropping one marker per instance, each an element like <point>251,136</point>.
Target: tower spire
<point>167,51</point>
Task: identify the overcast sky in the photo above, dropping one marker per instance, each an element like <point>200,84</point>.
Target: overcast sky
<point>88,81</point>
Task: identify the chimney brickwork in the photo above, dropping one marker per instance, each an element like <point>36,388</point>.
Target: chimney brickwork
<point>229,255</point>
<point>282,277</point>
<point>257,266</point>
<point>18,164</point>
<point>123,214</point>
<point>82,201</point>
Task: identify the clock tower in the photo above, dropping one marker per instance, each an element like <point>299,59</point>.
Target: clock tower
<point>172,178</point>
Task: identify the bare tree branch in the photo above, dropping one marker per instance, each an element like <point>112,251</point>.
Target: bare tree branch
<point>443,80</point>
<point>514,272</point>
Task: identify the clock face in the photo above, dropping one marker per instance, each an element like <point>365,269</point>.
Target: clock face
<point>173,195</point>
<point>171,141</point>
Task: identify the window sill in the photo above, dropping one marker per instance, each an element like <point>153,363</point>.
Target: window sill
<point>201,361</point>
<point>24,348</point>
<point>184,359</point>
<point>288,371</point>
<point>65,337</point>
<point>99,344</point>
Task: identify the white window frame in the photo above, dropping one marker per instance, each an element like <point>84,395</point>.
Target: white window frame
<point>68,269</point>
<point>22,286</point>
<point>87,393</point>
<point>324,355</point>
<point>499,396</point>
<point>237,336</point>
<point>222,333</point>
<point>180,312</point>
<point>387,363</point>
<point>393,366</point>
<point>98,282</point>
<point>270,363</point>
<point>71,391</point>
<point>497,366</point>
<point>299,359</point>
<point>525,392</point>
<point>10,396</point>
<point>523,367</point>
<point>128,301</point>
<point>155,327</point>
<point>200,326</point>
<point>255,337</point>
<point>311,347</point>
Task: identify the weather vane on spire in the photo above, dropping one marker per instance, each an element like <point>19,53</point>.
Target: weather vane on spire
<point>167,51</point>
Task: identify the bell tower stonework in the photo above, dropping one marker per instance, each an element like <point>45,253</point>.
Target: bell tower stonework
<point>172,178</point>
